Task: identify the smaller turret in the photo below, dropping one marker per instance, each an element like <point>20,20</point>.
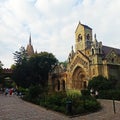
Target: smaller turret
<point>96,46</point>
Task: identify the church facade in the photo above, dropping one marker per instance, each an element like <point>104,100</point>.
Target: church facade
<point>89,59</point>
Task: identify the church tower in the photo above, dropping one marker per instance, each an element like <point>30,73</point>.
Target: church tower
<point>29,49</point>
<point>83,37</point>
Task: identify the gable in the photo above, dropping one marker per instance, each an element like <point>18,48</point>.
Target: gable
<point>107,49</point>
<point>112,56</point>
<point>79,60</point>
<point>83,26</point>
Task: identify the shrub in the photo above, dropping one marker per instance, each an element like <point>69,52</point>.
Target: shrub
<point>99,83</point>
<point>109,94</point>
<point>60,101</point>
<point>85,92</point>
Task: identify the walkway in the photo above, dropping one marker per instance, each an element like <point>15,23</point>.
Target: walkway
<point>13,108</point>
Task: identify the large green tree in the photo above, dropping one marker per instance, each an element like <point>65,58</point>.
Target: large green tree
<point>40,65</point>
<point>34,70</point>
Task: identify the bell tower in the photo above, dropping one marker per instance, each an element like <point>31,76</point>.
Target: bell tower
<point>83,37</point>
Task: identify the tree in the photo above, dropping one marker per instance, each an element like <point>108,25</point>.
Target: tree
<point>100,83</point>
<point>64,63</point>
<point>20,56</point>
<point>34,71</point>
<point>41,64</point>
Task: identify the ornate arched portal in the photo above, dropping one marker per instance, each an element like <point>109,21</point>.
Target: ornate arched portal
<point>78,78</point>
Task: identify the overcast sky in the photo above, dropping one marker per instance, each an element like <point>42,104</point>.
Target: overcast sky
<point>52,24</point>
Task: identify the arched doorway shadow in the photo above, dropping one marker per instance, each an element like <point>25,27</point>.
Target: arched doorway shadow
<point>79,78</point>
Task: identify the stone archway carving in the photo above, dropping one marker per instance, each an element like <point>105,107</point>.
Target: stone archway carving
<point>78,78</point>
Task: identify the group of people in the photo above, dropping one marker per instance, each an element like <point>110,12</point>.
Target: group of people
<point>9,91</point>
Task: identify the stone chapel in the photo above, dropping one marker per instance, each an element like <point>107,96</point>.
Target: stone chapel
<point>90,58</point>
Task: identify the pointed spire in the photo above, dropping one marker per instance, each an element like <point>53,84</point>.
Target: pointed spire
<point>30,39</point>
<point>72,47</point>
<point>95,36</point>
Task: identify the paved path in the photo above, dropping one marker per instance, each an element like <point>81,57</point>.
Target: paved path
<point>13,108</point>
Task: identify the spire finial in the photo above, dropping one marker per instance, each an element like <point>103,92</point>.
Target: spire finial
<point>72,47</point>
<point>79,22</point>
<point>95,36</point>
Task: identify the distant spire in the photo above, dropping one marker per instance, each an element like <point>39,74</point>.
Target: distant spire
<point>30,50</point>
<point>79,22</point>
<point>30,39</point>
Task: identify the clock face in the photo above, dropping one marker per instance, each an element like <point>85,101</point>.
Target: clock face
<point>79,37</point>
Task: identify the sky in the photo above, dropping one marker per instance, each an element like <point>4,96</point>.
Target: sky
<point>52,24</point>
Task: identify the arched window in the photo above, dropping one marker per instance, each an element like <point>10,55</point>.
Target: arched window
<point>88,37</point>
<point>79,37</point>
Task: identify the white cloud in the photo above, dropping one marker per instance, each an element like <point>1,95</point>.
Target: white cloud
<point>52,24</point>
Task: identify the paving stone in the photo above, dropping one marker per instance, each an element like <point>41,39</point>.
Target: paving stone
<point>13,108</point>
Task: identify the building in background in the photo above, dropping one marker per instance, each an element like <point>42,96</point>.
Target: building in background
<point>29,49</point>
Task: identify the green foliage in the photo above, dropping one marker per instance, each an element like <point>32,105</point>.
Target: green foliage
<point>35,91</point>
<point>64,64</point>
<point>99,83</point>
<point>73,93</point>
<point>60,101</point>
<point>107,88</point>
<point>23,90</point>
<point>110,94</point>
<point>85,92</point>
<point>33,71</point>
<point>20,56</point>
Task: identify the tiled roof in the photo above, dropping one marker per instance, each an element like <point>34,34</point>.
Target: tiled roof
<point>83,26</point>
<point>107,49</point>
<point>86,26</point>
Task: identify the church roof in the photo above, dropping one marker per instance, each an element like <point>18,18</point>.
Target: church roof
<point>83,54</point>
<point>85,26</point>
<point>107,49</point>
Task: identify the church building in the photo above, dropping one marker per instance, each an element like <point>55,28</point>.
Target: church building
<point>89,59</point>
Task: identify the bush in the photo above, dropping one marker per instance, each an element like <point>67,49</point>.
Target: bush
<point>34,94</point>
<point>80,104</point>
<point>59,101</point>
<point>100,83</point>
<point>109,94</point>
<point>85,92</point>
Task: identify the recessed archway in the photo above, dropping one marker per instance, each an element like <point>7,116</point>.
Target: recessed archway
<point>78,78</point>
